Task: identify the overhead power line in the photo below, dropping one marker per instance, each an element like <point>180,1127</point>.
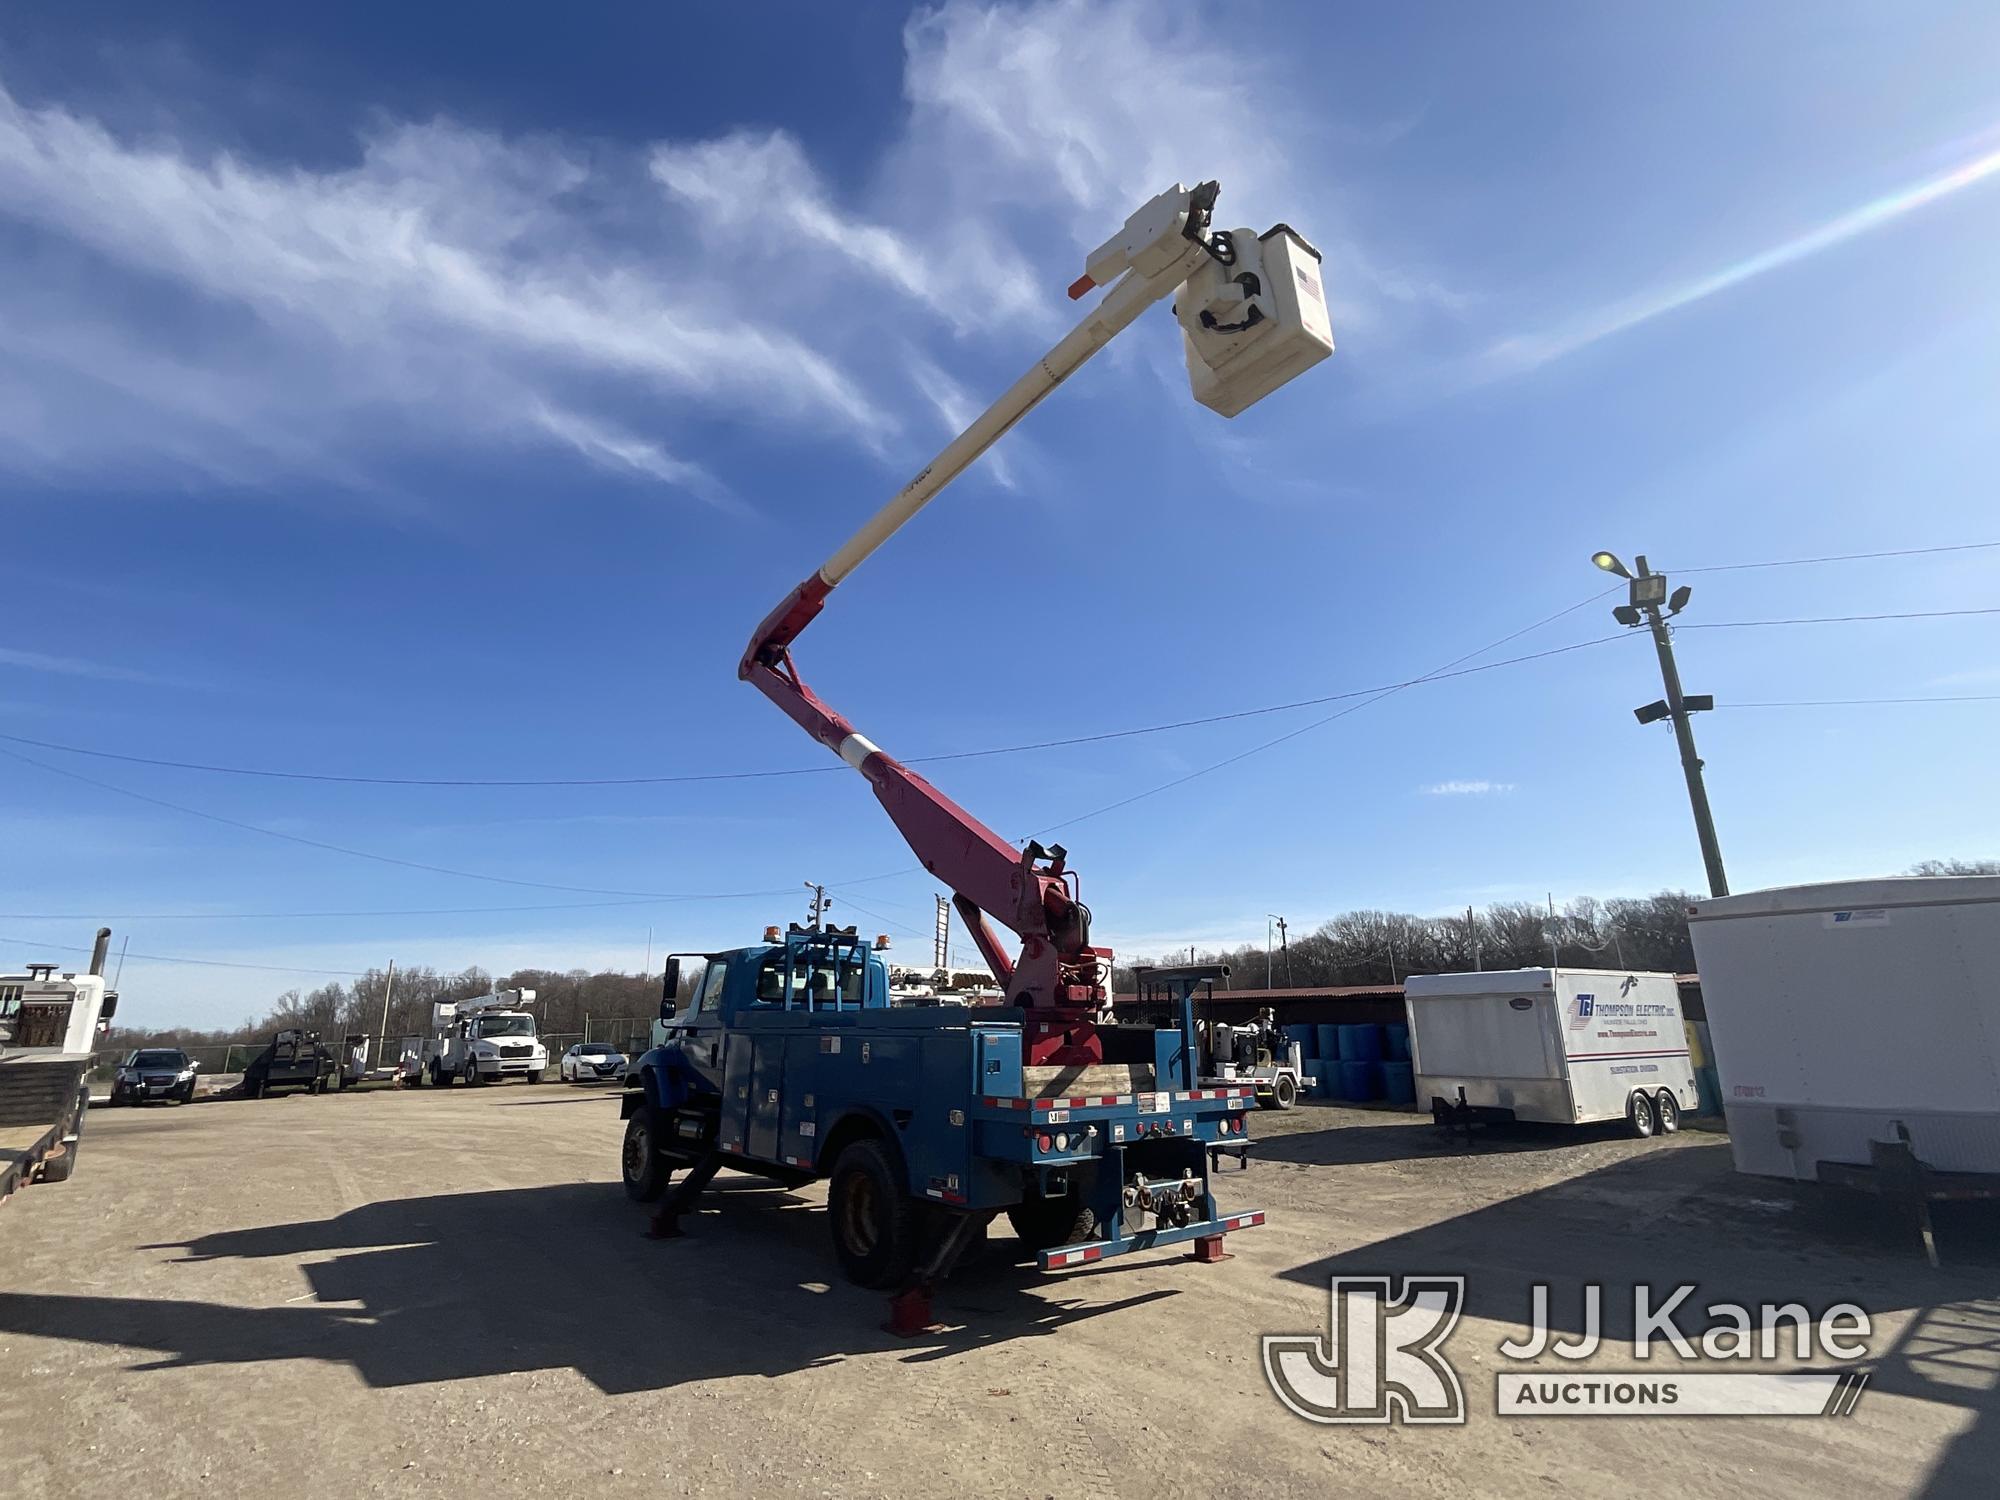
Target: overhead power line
<point>299,916</point>
<point>1914,614</point>
<point>1026,747</point>
<point>1448,669</point>
<point>386,859</point>
<point>206,963</point>
<point>1861,702</point>
<point>1806,562</point>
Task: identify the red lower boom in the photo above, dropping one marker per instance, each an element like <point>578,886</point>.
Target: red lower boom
<point>1062,980</point>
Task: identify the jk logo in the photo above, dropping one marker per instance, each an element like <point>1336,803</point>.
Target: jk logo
<point>1380,1361</point>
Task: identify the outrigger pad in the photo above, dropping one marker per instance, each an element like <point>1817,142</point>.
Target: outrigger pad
<point>1208,1250</point>
<point>910,1314</point>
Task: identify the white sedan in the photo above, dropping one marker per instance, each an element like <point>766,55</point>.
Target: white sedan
<point>593,1062</point>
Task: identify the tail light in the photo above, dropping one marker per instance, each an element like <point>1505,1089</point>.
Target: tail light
<point>1045,1143</point>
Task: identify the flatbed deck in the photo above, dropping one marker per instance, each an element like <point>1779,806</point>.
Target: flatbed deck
<point>21,1146</point>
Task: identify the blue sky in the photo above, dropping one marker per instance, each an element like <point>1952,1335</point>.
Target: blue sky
<point>442,392</point>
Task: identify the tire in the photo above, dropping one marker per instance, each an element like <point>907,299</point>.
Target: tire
<point>187,1094</point>
<point>1284,1092</point>
<point>1045,1223</point>
<point>1667,1111</point>
<point>439,1078</point>
<point>1639,1116</point>
<point>536,1076</point>
<point>646,1172</point>
<point>472,1078</point>
<point>874,1222</point>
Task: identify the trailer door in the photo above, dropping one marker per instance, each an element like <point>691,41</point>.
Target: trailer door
<point>1486,1036</point>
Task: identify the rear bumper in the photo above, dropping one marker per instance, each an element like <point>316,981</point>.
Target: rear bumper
<point>1146,1239</point>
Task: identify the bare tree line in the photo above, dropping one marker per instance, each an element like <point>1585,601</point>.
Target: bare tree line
<point>563,1001</point>
<point>1382,947</point>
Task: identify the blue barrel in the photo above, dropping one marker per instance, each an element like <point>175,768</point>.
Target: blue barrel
<point>1329,1080</point>
<point>1361,1043</point>
<point>1396,1037</point>
<point>1399,1083</point>
<point>1360,1081</point>
<point>1307,1036</point>
<point>1329,1043</point>
<point>1709,1087</point>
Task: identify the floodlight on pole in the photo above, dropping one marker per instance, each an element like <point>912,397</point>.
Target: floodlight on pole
<point>1610,563</point>
<point>1650,606</point>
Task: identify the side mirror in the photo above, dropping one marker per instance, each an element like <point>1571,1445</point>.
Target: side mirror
<point>670,987</point>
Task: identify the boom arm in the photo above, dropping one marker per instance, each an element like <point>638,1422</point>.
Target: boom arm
<point>1030,891</point>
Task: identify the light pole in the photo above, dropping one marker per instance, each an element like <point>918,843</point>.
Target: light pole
<point>1648,595</point>
<point>820,902</point>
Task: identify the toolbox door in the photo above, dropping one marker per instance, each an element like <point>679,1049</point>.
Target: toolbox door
<point>767,1094</point>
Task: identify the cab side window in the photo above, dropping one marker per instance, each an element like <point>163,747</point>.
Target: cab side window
<point>708,998</point>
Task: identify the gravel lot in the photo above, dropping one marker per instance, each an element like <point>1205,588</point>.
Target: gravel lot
<point>424,1293</point>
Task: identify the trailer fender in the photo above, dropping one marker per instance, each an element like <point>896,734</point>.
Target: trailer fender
<point>862,1123</point>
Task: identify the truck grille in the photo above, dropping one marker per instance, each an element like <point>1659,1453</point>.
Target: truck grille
<point>516,1049</point>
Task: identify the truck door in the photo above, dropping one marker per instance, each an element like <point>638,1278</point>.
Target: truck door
<point>695,1035</point>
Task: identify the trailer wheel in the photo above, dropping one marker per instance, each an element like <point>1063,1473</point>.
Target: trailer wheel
<point>1667,1111</point>
<point>646,1171</point>
<point>1045,1223</point>
<point>874,1230</point>
<point>1284,1092</point>
<point>1639,1115</point>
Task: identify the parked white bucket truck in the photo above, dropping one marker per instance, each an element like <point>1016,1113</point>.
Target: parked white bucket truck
<point>482,1040</point>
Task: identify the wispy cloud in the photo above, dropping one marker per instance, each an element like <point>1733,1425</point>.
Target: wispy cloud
<point>1467,788</point>
<point>1972,677</point>
<point>1529,351</point>
<point>72,666</point>
<point>173,309</point>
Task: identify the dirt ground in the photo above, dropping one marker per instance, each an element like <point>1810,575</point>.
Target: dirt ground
<point>418,1293</point>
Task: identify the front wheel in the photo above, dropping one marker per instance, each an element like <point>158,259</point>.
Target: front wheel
<point>874,1227</point>
<point>1639,1116</point>
<point>645,1170</point>
<point>1667,1110</point>
<point>535,1076</point>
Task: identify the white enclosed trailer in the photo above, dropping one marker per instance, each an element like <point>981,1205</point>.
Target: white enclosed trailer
<point>1559,1046</point>
<point>1856,1016</point>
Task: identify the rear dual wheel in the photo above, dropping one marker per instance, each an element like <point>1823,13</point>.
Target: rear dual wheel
<point>875,1225</point>
<point>1046,1223</point>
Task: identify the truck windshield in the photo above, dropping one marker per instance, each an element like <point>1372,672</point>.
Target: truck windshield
<point>814,983</point>
<point>487,1026</point>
